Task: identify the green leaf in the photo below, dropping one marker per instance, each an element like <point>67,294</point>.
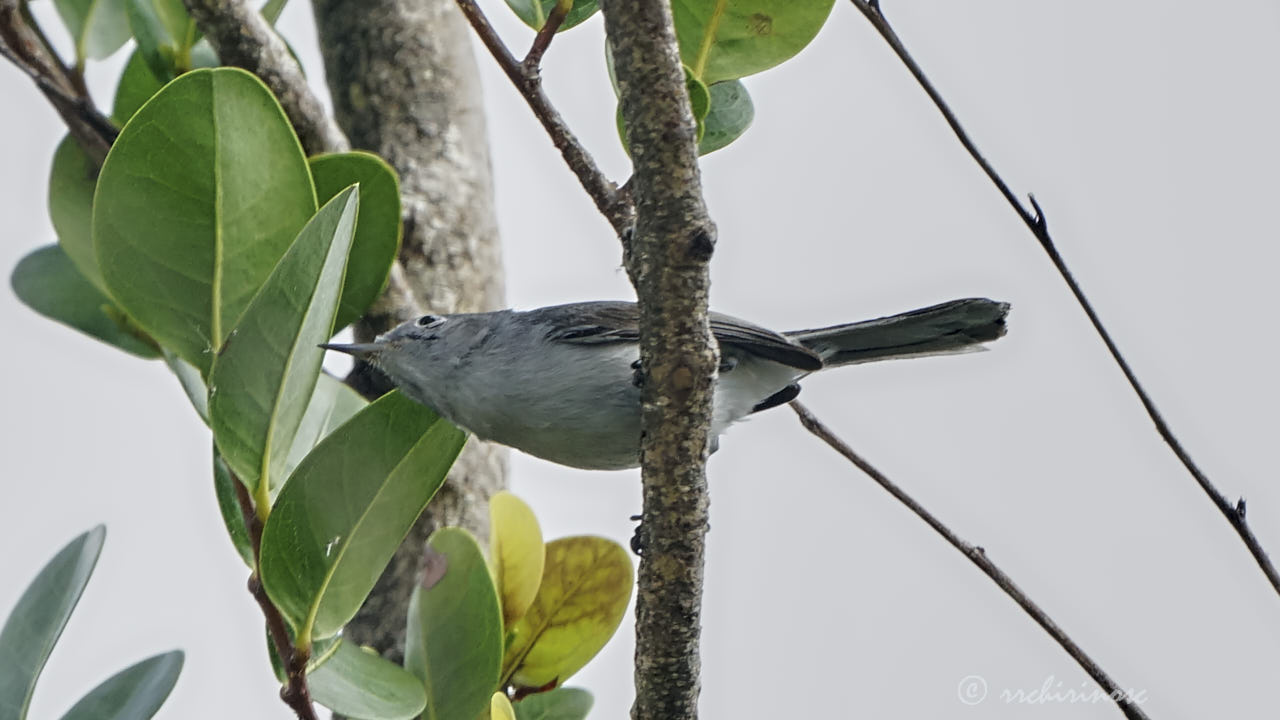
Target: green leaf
<point>271,11</point>
<point>377,233</point>
<point>534,12</point>
<point>516,554</point>
<point>98,27</point>
<point>358,683</point>
<point>729,39</point>
<point>136,86</point>
<point>224,488</point>
<point>332,404</point>
<point>321,651</point>
<point>453,642</point>
<point>585,588</point>
<point>71,182</point>
<point>48,283</point>
<point>135,693</point>
<point>730,116</point>
<point>262,379</point>
<point>347,506</point>
<point>36,622</point>
<point>200,196</point>
<point>165,34</point>
<point>558,704</point>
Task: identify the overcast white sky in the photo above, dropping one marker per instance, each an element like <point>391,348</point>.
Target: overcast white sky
<point>1148,132</point>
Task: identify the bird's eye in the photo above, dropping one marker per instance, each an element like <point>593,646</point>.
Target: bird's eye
<point>429,321</point>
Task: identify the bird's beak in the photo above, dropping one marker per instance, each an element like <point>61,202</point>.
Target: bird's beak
<point>360,350</point>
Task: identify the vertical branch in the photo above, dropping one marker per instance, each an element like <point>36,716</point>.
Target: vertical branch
<point>668,264</point>
<point>405,85</point>
<point>1036,222</point>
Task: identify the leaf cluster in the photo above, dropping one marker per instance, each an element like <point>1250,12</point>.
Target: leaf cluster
<point>721,42</point>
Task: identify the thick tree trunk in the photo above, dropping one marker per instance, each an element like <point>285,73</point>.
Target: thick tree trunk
<point>405,85</point>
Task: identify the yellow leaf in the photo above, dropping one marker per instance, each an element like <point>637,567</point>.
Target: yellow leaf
<point>516,554</point>
<point>584,592</point>
<point>500,708</point>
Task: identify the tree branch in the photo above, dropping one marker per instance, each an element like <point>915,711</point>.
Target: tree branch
<point>612,202</point>
<point>405,85</point>
<point>24,46</point>
<point>245,39</point>
<point>978,557</point>
<point>295,693</point>
<point>668,261</point>
<point>1036,222</point>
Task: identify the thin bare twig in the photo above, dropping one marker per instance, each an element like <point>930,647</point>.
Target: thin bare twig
<point>1034,218</point>
<point>542,40</point>
<point>613,203</point>
<point>978,557</point>
<point>295,693</point>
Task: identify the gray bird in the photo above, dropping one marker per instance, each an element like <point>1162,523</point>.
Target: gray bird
<point>562,382</point>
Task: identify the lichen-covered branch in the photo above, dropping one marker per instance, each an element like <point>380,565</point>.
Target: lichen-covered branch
<point>405,85</point>
<point>668,262</point>
<point>245,39</point>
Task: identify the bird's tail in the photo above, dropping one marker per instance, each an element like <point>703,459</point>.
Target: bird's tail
<point>952,327</point>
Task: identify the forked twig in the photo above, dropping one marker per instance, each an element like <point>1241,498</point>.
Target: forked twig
<point>978,557</point>
<point>612,202</point>
<point>1035,221</point>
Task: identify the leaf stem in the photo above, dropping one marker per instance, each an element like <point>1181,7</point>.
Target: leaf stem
<point>295,693</point>
<point>1035,221</point>
<point>978,556</point>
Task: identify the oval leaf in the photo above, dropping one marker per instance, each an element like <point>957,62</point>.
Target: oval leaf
<point>135,693</point>
<point>534,12</point>
<point>262,379</point>
<point>453,642</point>
<point>48,283</point>
<point>558,704</point>
<point>36,622</point>
<point>516,554</point>
<point>358,683</point>
<point>730,115</point>
<point>98,27</point>
<point>198,199</point>
<point>584,592</point>
<point>71,182</point>
<point>347,506</point>
<point>500,708</point>
<point>377,233</point>
<point>136,86</point>
<point>728,39</point>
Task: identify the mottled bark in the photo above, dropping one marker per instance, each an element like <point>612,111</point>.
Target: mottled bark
<point>668,263</point>
<point>405,85</point>
<point>244,38</point>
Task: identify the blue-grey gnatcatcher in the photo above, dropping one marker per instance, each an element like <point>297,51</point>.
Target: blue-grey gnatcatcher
<point>562,382</point>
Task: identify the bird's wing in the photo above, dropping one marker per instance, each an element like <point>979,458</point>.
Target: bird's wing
<point>611,322</point>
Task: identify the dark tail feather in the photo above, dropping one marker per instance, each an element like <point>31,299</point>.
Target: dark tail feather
<point>952,327</point>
